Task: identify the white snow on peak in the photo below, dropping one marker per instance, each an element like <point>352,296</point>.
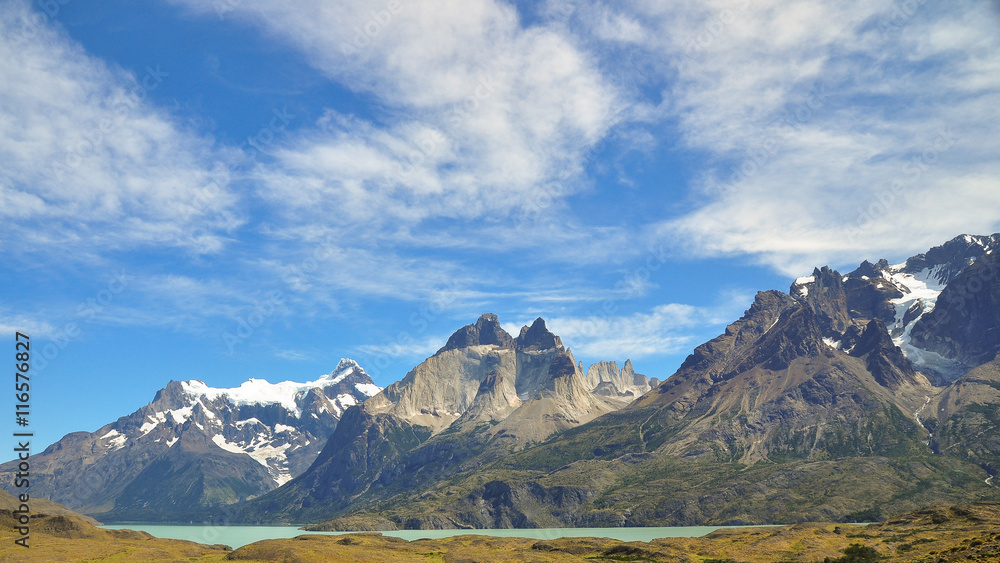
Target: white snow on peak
<point>180,415</point>
<point>148,427</point>
<point>208,412</point>
<point>835,344</point>
<point>285,393</point>
<point>803,284</point>
<point>117,440</point>
<point>241,423</point>
<point>922,287</point>
<point>220,441</point>
<point>344,368</point>
<point>368,389</point>
<point>256,439</point>
<point>263,452</point>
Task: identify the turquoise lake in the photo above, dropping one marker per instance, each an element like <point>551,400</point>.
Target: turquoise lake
<point>238,536</point>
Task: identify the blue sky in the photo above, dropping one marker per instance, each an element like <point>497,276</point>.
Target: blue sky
<point>228,189</point>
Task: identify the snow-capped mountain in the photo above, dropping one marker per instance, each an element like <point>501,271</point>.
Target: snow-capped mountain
<point>280,425</point>
<point>266,432</point>
<point>904,295</point>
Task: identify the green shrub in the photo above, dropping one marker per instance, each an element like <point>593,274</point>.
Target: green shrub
<point>873,514</point>
<point>857,553</point>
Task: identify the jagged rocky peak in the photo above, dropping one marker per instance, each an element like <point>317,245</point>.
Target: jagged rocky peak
<point>824,292</point>
<point>884,360</point>
<point>486,331</point>
<point>605,378</point>
<point>943,339</point>
<point>944,263</point>
<point>514,383</point>
<point>963,323</point>
<point>868,270</point>
<point>537,337</point>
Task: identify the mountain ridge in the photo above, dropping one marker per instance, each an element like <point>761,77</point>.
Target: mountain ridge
<point>195,446</point>
<point>847,393</point>
<point>817,389</point>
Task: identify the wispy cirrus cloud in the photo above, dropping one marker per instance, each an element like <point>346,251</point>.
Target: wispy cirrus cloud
<point>666,329</point>
<point>479,112</point>
<point>89,165</point>
<point>837,130</point>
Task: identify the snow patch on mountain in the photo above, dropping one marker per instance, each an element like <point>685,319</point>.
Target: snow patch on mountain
<point>920,293</point>
<point>116,440</point>
<point>285,393</point>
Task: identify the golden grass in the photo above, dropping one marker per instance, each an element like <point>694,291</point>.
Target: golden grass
<point>932,535</point>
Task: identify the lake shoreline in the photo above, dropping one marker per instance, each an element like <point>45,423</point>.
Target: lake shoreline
<point>239,536</point>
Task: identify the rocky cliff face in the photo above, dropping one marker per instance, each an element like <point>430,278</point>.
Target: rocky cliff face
<point>195,446</point>
<point>528,387</point>
<point>963,325</point>
<point>480,397</point>
<point>624,384</point>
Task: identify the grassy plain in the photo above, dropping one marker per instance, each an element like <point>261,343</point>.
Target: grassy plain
<point>941,534</point>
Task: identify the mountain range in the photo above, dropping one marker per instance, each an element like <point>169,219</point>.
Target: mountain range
<point>846,396</point>
<point>194,447</point>
<point>481,397</point>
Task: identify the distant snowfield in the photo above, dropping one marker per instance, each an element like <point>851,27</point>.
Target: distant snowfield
<point>262,392</point>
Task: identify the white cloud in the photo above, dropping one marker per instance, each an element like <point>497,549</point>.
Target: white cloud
<point>480,113</point>
<point>89,164</point>
<point>839,130</point>
<point>672,328</point>
<point>405,347</point>
<point>32,326</point>
<point>293,355</point>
